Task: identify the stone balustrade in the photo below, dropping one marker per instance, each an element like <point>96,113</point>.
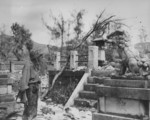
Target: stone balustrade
<point>93,56</point>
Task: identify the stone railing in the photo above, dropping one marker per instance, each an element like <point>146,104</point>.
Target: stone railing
<point>93,56</point>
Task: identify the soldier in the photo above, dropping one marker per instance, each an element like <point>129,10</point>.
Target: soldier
<point>29,86</point>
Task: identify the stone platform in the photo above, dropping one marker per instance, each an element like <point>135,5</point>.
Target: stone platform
<point>122,99</point>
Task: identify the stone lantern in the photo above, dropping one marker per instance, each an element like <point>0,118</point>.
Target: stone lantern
<point>100,42</point>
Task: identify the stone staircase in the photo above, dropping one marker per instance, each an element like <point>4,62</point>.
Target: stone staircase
<point>7,100</point>
<point>122,99</point>
<point>116,98</point>
<point>87,97</point>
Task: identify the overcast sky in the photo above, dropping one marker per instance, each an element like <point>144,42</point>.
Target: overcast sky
<point>29,13</point>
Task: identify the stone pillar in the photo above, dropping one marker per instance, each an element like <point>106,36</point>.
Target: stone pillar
<point>73,60</point>
<point>101,55</point>
<point>12,65</point>
<point>93,57</point>
<point>57,61</point>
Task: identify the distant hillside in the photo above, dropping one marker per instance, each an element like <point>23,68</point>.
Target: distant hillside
<point>42,47</point>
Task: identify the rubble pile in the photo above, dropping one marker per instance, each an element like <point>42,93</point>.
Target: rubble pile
<point>51,111</point>
<point>106,71</point>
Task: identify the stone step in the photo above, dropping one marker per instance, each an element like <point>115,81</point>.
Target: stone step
<point>8,106</point>
<point>92,109</point>
<point>123,92</point>
<point>3,81</point>
<point>90,79</point>
<point>5,89</point>
<point>128,77</point>
<point>119,82</point>
<point>4,76</point>
<point>7,98</point>
<point>102,116</point>
<point>90,87</point>
<point>85,102</point>
<point>88,95</point>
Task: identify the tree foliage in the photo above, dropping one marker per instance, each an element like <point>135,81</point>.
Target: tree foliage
<point>6,44</point>
<point>78,20</point>
<point>102,25</point>
<point>57,29</point>
<point>22,37</point>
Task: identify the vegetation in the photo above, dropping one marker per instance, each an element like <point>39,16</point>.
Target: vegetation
<point>5,46</point>
<point>61,93</point>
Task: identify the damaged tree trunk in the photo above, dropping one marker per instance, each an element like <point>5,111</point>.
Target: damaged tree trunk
<point>30,108</point>
<point>55,78</point>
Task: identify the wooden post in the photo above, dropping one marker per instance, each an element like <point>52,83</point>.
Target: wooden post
<point>57,61</point>
<point>73,60</point>
<point>93,57</point>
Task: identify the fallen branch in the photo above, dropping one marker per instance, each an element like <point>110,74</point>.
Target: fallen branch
<point>55,78</point>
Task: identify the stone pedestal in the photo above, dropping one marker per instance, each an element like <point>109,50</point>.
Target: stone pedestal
<point>73,60</point>
<point>57,61</point>
<point>93,57</point>
<point>122,100</point>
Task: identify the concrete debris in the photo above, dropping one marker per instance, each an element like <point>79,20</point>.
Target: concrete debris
<point>53,111</point>
<point>107,67</point>
<point>80,68</point>
<point>50,111</point>
<point>73,113</point>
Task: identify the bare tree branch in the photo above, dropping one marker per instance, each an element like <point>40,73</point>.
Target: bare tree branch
<point>97,25</point>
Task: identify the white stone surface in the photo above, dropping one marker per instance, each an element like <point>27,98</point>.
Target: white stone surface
<point>93,57</point>
<point>101,55</point>
<point>57,61</point>
<point>73,60</point>
<point>3,89</point>
<point>9,89</point>
<point>78,88</point>
<point>122,106</point>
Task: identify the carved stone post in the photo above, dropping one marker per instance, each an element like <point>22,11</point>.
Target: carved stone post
<point>93,57</point>
<point>73,60</point>
<point>12,67</point>
<point>57,61</point>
